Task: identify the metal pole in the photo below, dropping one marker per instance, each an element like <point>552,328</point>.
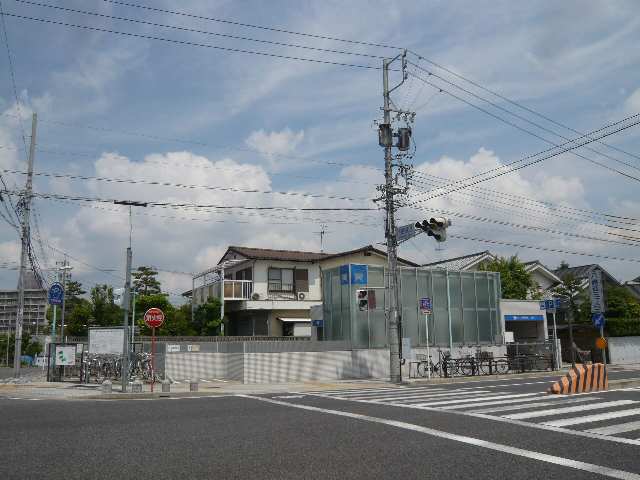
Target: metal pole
<point>153,357</point>
<point>133,316</point>
<point>570,318</point>
<point>25,242</point>
<point>64,299</point>
<point>395,372</point>
<point>125,323</point>
<point>53,324</point>
<point>426,322</point>
<point>604,350</point>
<point>193,298</point>
<point>555,342</point>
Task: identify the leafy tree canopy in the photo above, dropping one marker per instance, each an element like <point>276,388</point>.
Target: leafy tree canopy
<point>145,281</point>
<point>516,282</point>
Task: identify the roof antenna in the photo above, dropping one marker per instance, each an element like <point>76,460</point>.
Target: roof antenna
<point>323,231</point>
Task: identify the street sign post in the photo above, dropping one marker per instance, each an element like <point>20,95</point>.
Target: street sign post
<point>153,318</point>
<point>56,297</point>
<point>426,308</point>
<point>550,306</point>
<point>597,304</point>
<point>406,232</point>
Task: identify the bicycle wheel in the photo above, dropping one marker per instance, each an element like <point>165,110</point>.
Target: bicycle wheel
<point>500,367</point>
<point>465,367</point>
<point>423,369</point>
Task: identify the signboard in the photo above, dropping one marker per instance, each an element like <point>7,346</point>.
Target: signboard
<point>598,320</point>
<point>317,323</point>
<point>153,317</point>
<point>523,318</point>
<point>550,305</point>
<point>597,297</point>
<point>106,340</point>
<point>65,355</point>
<point>425,306</point>
<point>405,232</point>
<point>344,275</point>
<point>56,294</point>
<point>173,348</point>
<point>359,274</point>
<point>118,296</point>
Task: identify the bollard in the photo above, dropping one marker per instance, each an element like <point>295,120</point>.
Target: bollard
<point>136,386</point>
<point>166,386</point>
<point>106,386</point>
<point>193,385</point>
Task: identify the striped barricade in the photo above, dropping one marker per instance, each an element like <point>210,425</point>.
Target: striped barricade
<point>582,378</point>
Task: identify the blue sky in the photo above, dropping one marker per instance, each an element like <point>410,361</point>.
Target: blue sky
<point>255,122</point>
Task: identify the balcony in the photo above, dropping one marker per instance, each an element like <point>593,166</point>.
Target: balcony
<point>238,289</point>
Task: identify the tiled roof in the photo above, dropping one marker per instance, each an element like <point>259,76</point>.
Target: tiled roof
<point>458,263</point>
<point>582,272</point>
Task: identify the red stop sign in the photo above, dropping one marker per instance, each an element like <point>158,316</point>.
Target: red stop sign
<point>153,317</point>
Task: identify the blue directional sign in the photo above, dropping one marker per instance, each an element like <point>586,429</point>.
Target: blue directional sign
<point>317,323</point>
<point>543,305</point>
<point>56,294</point>
<point>550,304</point>
<point>344,275</point>
<point>598,320</point>
<point>359,274</point>
<point>558,303</point>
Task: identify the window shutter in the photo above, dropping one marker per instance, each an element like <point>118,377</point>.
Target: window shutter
<point>301,279</point>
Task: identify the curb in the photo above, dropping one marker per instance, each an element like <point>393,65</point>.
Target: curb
<point>147,395</point>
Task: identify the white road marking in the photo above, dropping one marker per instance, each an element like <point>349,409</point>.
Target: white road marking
<point>471,400</point>
<point>420,395</point>
<point>543,457</point>
<point>205,381</point>
<point>559,411</point>
<point>445,398</point>
<point>406,391</point>
<point>532,404</point>
<point>613,429</point>
<point>492,402</point>
<point>289,396</point>
<point>357,390</point>
<point>593,418</point>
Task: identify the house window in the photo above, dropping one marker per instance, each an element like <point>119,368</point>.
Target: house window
<point>280,280</point>
<point>245,274</point>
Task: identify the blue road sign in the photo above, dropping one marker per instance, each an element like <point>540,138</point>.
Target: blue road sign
<point>598,320</point>
<point>550,304</point>
<point>543,305</point>
<point>359,274</point>
<point>558,303</point>
<point>317,323</point>
<point>425,305</point>
<point>56,294</point>
<point>344,275</point>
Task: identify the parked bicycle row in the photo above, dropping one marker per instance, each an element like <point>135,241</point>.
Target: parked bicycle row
<point>482,363</point>
<point>100,367</point>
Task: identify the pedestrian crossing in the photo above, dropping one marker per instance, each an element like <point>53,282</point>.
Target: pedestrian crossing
<point>593,414</point>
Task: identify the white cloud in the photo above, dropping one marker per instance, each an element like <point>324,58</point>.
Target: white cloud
<point>632,104</point>
<point>272,144</point>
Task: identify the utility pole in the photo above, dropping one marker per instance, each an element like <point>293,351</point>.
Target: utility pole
<point>323,231</point>
<point>389,190</point>
<point>64,268</point>
<point>25,242</point>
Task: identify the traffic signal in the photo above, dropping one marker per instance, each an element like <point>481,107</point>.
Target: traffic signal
<point>363,299</point>
<point>436,227</point>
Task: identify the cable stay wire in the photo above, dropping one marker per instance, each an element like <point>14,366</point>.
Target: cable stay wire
<point>193,30</point>
<point>249,25</point>
<point>515,103</point>
<point>577,142</point>
<point>520,117</point>
<point>192,44</point>
<point>182,185</point>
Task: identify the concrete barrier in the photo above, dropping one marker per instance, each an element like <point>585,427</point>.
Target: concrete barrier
<point>582,378</point>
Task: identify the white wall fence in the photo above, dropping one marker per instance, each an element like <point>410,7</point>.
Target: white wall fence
<point>282,362</point>
<point>624,350</point>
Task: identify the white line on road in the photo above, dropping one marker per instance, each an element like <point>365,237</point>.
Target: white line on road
<point>543,457</point>
<point>409,396</point>
<point>559,411</point>
<point>471,400</point>
<point>205,381</point>
<point>405,391</point>
<point>547,403</point>
<point>492,402</point>
<point>593,418</point>
<point>613,429</point>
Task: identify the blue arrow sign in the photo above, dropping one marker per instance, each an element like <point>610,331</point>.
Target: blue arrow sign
<point>598,320</point>
<point>56,294</point>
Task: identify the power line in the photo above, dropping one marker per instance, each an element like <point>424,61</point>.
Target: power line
<point>248,25</point>
<point>193,44</point>
<point>182,185</point>
<point>602,132</point>
<point>518,127</point>
<point>517,104</point>
<point>193,30</point>
<point>520,117</point>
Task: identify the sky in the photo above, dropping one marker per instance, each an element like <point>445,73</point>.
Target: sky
<point>235,128</point>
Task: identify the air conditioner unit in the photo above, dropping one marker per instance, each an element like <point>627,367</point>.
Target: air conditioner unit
<point>301,296</point>
<point>255,296</point>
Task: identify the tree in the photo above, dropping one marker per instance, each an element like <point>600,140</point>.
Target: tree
<point>105,313</point>
<point>621,303</point>
<point>145,281</point>
<point>516,282</point>
<point>207,319</point>
<point>28,347</point>
<point>563,265</point>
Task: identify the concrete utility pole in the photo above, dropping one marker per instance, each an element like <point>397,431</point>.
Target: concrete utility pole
<point>24,252</point>
<point>125,323</point>
<point>64,268</point>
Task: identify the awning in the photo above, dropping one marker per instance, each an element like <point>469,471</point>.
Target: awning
<point>287,319</point>
<point>524,318</point>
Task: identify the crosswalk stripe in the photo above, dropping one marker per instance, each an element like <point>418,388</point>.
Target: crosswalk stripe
<point>495,402</point>
<point>618,428</point>
<point>356,390</point>
<point>439,393</point>
<point>444,396</point>
<point>559,411</point>
<point>593,418</point>
<point>475,399</point>
<point>551,401</point>
<point>382,394</point>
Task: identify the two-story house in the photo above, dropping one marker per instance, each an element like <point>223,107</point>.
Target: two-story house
<point>270,292</point>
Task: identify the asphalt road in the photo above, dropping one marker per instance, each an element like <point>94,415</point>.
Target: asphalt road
<point>295,436</point>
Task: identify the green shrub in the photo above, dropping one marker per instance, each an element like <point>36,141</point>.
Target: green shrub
<point>623,327</point>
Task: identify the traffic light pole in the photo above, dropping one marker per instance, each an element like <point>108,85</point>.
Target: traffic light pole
<point>395,372</point>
